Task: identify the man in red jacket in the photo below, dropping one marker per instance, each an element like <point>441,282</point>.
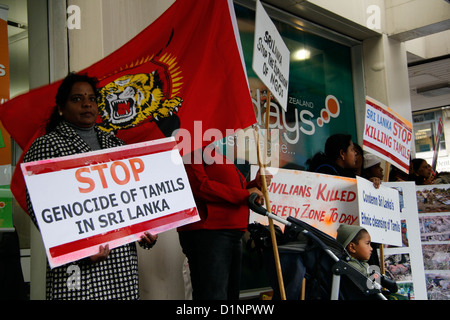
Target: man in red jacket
<point>213,245</point>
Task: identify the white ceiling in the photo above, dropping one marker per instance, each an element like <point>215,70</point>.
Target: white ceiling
<point>429,75</point>
<point>17,13</point>
<point>421,74</point>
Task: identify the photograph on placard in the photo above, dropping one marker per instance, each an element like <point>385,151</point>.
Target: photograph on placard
<point>398,267</point>
<point>438,285</point>
<point>435,228</point>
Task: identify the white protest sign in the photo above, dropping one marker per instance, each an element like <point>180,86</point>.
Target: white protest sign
<point>379,212</point>
<point>412,276</point>
<point>108,197</point>
<point>323,201</point>
<point>387,135</point>
<point>271,56</point>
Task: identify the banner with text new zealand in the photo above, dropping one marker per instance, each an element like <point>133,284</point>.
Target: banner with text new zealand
<point>387,134</point>
<point>108,197</point>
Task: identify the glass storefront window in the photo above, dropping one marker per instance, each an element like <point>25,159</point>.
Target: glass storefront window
<point>425,129</point>
<point>321,90</point>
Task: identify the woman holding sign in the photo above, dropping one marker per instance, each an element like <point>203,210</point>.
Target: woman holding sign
<point>110,274</point>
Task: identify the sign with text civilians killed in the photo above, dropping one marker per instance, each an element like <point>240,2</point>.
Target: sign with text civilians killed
<point>108,197</point>
<point>387,135</point>
<point>379,212</point>
<point>271,56</point>
<point>323,201</point>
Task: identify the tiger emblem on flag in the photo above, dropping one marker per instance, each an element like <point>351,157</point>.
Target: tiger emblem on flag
<point>132,99</point>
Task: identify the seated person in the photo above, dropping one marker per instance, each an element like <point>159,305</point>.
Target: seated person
<point>356,240</point>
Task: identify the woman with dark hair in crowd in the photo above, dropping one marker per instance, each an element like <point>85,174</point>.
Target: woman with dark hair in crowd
<point>359,163</point>
<point>112,273</point>
<point>420,172</point>
<point>338,158</point>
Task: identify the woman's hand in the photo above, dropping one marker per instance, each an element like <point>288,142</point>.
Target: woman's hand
<point>149,239</point>
<point>101,255</point>
<point>376,182</point>
<point>260,198</point>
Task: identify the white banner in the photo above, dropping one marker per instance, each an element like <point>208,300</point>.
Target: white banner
<point>379,212</point>
<point>323,201</point>
<point>108,197</point>
<point>271,56</point>
<point>387,135</point>
<point>326,201</point>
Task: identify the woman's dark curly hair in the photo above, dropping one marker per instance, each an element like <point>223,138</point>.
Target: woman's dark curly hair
<point>333,147</point>
<point>335,144</point>
<point>416,163</point>
<point>63,94</point>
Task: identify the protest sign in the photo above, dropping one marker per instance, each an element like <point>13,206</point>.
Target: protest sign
<point>271,56</point>
<point>108,197</point>
<point>433,205</point>
<point>387,135</point>
<point>322,201</point>
<point>379,212</point>
<point>405,264</point>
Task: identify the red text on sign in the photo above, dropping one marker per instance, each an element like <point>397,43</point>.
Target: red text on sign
<point>402,133</point>
<point>119,171</point>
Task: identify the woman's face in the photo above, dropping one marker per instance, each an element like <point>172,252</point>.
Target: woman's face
<point>81,107</point>
<point>349,156</point>
<point>424,170</point>
<point>376,171</point>
<point>359,161</point>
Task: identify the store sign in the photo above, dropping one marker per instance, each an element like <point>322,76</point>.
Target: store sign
<point>271,56</point>
<point>108,197</point>
<point>387,135</point>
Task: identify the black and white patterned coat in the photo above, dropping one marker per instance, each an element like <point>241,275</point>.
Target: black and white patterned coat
<point>114,278</point>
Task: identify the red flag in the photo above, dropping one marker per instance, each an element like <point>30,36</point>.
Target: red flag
<point>184,71</point>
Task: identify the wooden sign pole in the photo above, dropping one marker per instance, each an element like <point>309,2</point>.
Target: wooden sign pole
<point>387,168</point>
<point>262,167</point>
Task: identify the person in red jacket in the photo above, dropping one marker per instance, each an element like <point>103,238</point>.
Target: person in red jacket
<point>213,245</point>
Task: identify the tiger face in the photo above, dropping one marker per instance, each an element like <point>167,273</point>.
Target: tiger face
<point>132,99</point>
